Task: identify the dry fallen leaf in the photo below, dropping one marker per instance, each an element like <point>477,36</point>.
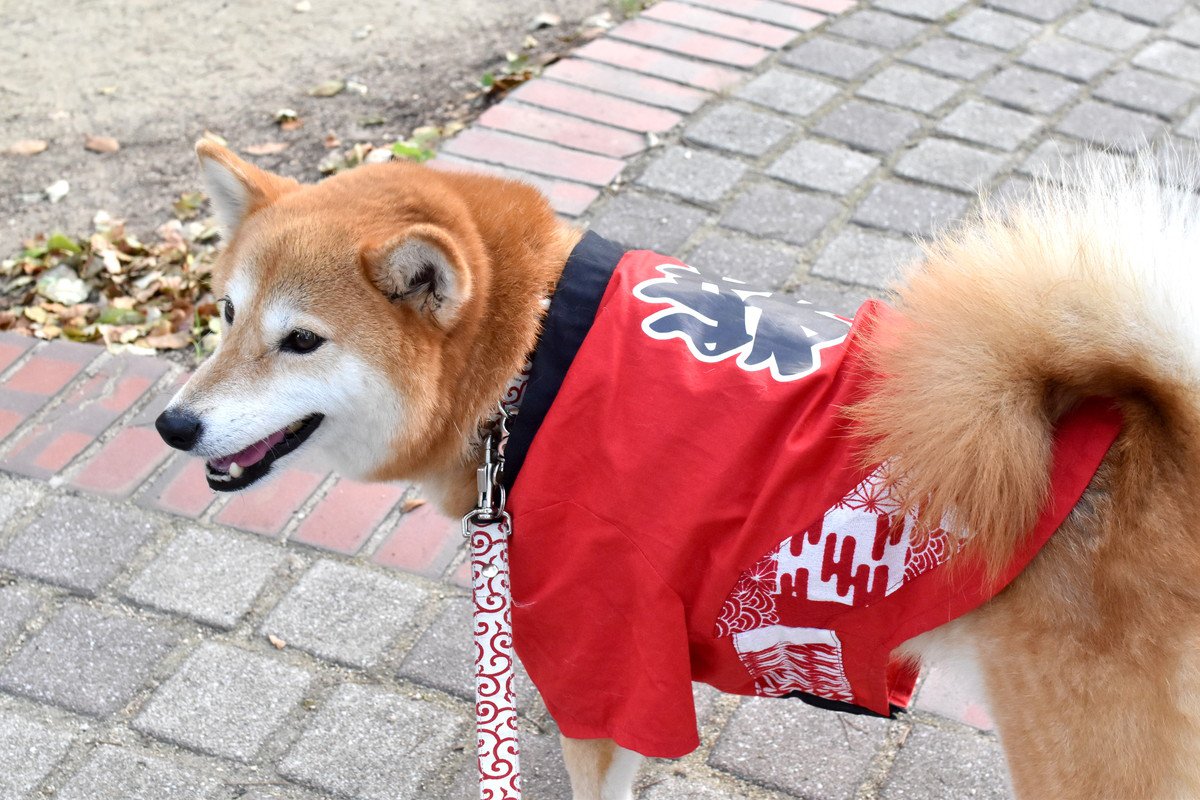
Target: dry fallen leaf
<point>287,119</point>
<point>327,88</point>
<point>101,144</point>
<point>267,148</point>
<point>27,147</point>
<point>169,341</point>
<point>332,141</point>
<point>411,504</point>
<point>276,642</point>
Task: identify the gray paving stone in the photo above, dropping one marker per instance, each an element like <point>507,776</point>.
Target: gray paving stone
<point>938,763</point>
<point>985,123</point>
<point>950,164</point>
<point>680,787</point>
<point>1187,29</point>
<point>273,793</point>
<point>1105,30</point>
<point>211,576</point>
<point>368,743</point>
<point>919,210</point>
<point>868,126</point>
<point>821,754</point>
<point>758,263</point>
<point>118,773</point>
<point>1170,58</point>
<point>789,92</point>
<point>1190,125</point>
<point>1041,10</point>
<point>443,658</point>
<point>77,542</point>
<point>776,213</point>
<point>543,772</point>
<point>831,57</point>
<point>738,128</point>
<point>696,175</point>
<point>1067,57</point>
<point>87,661</point>
<point>16,496</point>
<point>345,613</point>
<point>993,28</point>
<point>638,221</point>
<point>954,57</point>
<point>1110,126</point>
<point>828,167</point>
<point>1145,91</point>
<point>1155,13</point>
<point>833,296</point>
<point>1015,189</point>
<point>1058,159</point>
<point>29,750</point>
<point>866,257</point>
<point>223,701</point>
<point>909,88</point>
<point>876,27</point>
<point>922,9</point>
<point>1030,90</point>
<point>17,604</point>
<point>1050,157</point>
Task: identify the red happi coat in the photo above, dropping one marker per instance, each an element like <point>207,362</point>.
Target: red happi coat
<point>691,507</point>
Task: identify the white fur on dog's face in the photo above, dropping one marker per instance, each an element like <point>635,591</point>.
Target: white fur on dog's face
<point>249,388</point>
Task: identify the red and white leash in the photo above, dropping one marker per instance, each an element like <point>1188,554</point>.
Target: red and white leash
<point>487,527</point>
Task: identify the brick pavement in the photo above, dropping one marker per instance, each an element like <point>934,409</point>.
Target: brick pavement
<point>309,639</point>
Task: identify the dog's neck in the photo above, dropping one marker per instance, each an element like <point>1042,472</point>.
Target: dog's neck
<point>527,249</point>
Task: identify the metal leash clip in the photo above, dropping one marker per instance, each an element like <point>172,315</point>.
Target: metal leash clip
<point>490,492</point>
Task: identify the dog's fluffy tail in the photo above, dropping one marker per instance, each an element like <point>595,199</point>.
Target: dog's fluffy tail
<point>1091,288</point>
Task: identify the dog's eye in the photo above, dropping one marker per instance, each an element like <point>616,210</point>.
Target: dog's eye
<point>228,310</point>
<point>301,341</point>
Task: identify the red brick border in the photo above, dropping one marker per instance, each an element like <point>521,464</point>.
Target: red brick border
<point>572,131</point>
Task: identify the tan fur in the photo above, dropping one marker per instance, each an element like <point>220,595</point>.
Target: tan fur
<point>1089,657</point>
<point>991,346</point>
<point>588,760</point>
<point>320,244</point>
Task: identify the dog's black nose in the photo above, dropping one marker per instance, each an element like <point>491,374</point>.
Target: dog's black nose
<point>179,429</point>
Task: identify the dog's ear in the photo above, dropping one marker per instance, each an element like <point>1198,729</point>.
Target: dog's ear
<point>236,189</point>
<point>423,269</point>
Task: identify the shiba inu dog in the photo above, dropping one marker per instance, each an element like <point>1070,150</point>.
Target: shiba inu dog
<point>1028,417</point>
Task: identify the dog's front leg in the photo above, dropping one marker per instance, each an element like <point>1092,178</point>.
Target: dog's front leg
<point>600,769</point>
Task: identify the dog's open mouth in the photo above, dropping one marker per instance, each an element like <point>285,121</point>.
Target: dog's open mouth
<point>237,471</point>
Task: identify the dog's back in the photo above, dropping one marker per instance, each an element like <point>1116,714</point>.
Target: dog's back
<point>1090,657</point>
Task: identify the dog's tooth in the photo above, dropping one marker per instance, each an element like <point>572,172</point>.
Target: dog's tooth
<point>235,470</point>
<point>295,426</point>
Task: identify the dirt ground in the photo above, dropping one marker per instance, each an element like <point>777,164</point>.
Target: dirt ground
<point>156,74</point>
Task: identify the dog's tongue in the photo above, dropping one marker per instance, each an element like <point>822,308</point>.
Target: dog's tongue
<point>251,455</point>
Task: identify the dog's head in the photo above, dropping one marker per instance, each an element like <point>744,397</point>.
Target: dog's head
<point>345,306</point>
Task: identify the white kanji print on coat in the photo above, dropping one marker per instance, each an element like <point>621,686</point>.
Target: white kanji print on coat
<point>721,318</point>
<point>861,550</point>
